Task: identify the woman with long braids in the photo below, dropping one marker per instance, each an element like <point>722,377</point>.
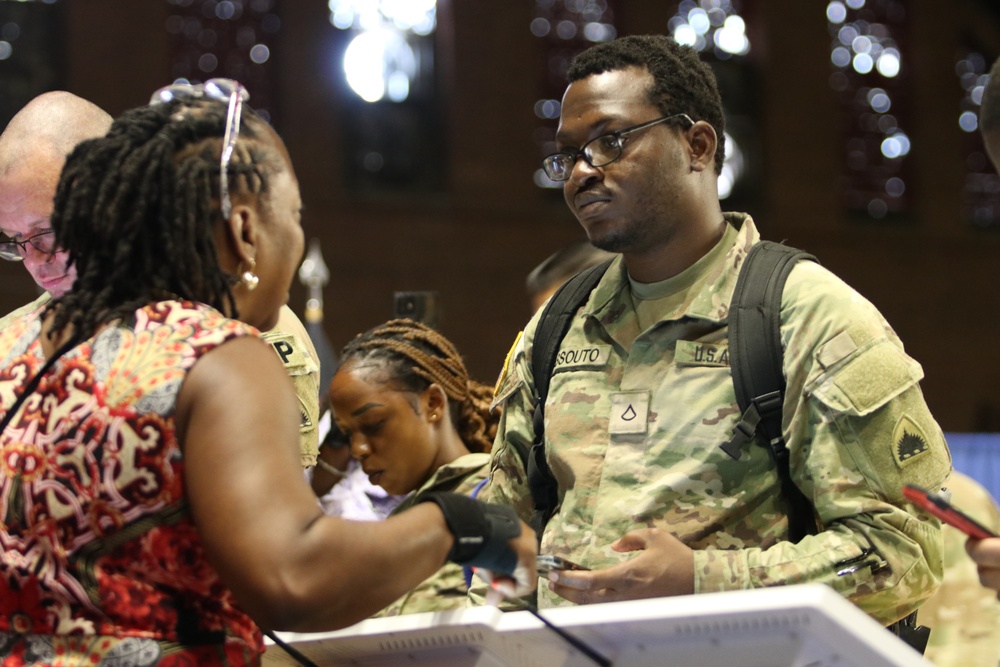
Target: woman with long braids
<point>152,505</point>
<point>418,425</point>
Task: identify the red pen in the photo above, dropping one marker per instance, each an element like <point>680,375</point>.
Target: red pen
<point>942,509</point>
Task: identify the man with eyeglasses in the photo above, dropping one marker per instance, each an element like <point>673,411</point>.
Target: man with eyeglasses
<point>647,498</point>
<point>33,149</point>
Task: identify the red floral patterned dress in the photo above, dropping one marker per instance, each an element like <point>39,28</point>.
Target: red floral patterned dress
<point>101,562</point>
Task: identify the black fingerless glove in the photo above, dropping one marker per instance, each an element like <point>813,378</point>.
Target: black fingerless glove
<point>481,532</point>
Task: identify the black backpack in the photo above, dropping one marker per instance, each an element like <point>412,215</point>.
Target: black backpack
<point>755,357</point>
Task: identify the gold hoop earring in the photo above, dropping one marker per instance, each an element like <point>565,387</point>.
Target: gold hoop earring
<point>248,278</point>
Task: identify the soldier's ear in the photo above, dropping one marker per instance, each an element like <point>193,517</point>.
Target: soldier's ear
<point>435,402</point>
<point>702,143</point>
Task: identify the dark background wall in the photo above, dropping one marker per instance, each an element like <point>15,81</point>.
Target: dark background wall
<point>473,240</point>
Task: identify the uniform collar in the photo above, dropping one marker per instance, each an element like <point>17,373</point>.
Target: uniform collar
<point>611,302</point>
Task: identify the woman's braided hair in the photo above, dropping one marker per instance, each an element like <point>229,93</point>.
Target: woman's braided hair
<point>415,355</point>
<point>136,210</point>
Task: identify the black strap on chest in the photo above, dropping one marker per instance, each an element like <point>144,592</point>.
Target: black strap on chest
<point>552,327</point>
<point>755,358</point>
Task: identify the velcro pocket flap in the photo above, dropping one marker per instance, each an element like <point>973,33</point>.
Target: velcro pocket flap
<point>865,381</point>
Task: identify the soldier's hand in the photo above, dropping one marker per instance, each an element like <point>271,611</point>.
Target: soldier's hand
<point>986,554</point>
<point>664,566</point>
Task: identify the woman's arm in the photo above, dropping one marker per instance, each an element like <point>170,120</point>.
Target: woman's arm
<point>291,567</point>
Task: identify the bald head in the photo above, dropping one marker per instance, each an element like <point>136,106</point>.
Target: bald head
<point>989,115</point>
<point>52,123</point>
<point>33,149</point>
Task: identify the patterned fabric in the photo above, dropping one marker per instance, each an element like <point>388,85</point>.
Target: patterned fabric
<point>101,561</point>
<point>446,588</point>
<point>635,418</point>
<point>964,617</point>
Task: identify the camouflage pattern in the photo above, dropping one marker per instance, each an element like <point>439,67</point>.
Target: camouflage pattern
<point>964,617</point>
<point>446,588</point>
<point>19,330</point>
<point>635,419</point>
<point>295,349</point>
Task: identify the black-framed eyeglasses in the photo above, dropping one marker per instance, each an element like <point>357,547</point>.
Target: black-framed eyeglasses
<point>15,251</point>
<point>223,90</point>
<point>600,151</point>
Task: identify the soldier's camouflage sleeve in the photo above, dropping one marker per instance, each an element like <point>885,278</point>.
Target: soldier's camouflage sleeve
<point>291,342</point>
<point>858,429</point>
<point>508,483</point>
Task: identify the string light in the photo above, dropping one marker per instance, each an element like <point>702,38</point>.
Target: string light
<point>230,38</point>
<point>710,25</point>
<point>380,62</point>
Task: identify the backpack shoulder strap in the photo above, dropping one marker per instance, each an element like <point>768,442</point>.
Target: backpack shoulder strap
<point>554,323</point>
<point>552,327</point>
<point>755,357</point>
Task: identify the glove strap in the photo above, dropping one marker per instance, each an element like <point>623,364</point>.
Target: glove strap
<point>481,532</point>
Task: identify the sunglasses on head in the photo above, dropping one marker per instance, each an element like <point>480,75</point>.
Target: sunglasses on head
<point>222,90</point>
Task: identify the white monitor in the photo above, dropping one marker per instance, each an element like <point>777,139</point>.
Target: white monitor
<point>794,626</point>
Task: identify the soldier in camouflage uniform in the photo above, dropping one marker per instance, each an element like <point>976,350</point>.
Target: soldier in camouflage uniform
<point>963,616</point>
<point>291,342</point>
<point>418,425</point>
<point>642,397</point>
<point>986,553</point>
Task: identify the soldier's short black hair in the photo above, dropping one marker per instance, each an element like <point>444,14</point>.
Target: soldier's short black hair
<point>682,82</point>
<point>989,113</point>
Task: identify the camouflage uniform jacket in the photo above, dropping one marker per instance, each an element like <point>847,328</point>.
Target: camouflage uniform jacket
<point>634,420</point>
<point>446,588</point>
<point>31,310</point>
<point>291,342</point>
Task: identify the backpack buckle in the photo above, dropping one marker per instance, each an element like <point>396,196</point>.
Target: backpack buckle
<point>743,432</point>
<point>768,404</point>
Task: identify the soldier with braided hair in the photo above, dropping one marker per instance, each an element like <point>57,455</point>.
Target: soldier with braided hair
<point>418,425</point>
<point>152,505</point>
